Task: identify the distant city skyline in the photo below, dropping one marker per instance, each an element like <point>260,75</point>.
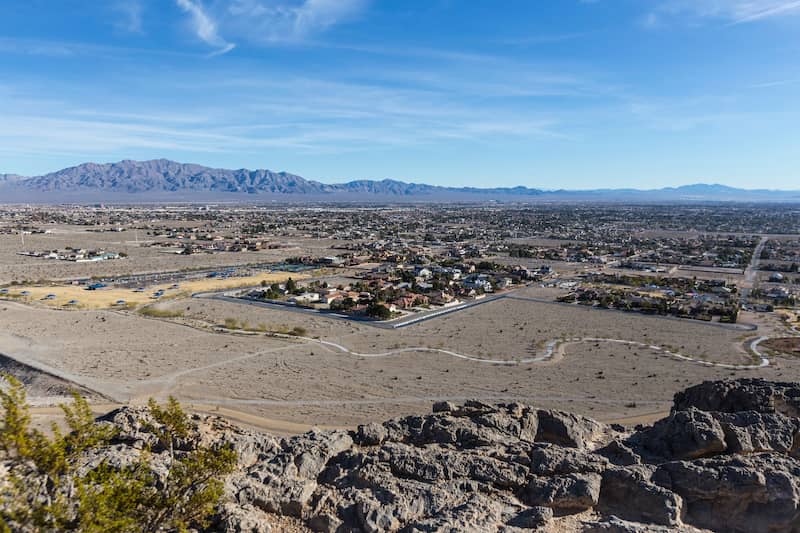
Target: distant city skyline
<point>573,94</point>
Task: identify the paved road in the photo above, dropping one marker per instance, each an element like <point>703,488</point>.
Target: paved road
<point>751,271</point>
<point>403,322</point>
<point>397,323</point>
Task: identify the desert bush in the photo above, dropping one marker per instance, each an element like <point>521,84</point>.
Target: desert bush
<point>49,483</point>
<point>298,331</point>
<point>160,313</point>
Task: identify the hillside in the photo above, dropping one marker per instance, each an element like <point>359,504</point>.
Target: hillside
<point>725,459</point>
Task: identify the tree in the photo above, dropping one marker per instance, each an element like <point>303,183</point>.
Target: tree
<point>192,488</point>
<point>291,285</point>
<point>49,485</point>
<point>379,311</point>
<point>40,466</point>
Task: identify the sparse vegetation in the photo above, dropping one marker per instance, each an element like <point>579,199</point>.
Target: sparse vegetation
<point>53,485</point>
<point>298,331</point>
<point>154,312</point>
<point>235,324</point>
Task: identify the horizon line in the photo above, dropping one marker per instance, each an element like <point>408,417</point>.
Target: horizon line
<point>350,180</point>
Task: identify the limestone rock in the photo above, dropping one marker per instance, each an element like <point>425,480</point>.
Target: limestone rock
<point>628,494</point>
<point>742,395</point>
<point>614,524</point>
<point>567,429</point>
<point>686,434</point>
<point>570,493</point>
<point>550,460</point>
<point>243,519</point>
<point>725,459</point>
<point>754,494</point>
<point>753,432</point>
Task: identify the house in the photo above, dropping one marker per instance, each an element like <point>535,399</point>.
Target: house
<point>522,272</point>
<point>423,274</point>
<point>441,298</point>
<point>305,298</point>
<point>331,261</point>
<point>778,293</point>
<point>410,300</point>
<point>478,282</point>
<point>504,283</point>
<point>326,297</point>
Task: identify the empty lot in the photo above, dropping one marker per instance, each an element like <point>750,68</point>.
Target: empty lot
<point>128,357</point>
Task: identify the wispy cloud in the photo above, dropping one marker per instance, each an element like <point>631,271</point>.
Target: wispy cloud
<point>535,40</point>
<point>48,48</point>
<point>732,11</point>
<point>287,21</point>
<point>38,48</point>
<point>303,115</point>
<point>130,16</point>
<point>205,27</point>
<point>776,83</point>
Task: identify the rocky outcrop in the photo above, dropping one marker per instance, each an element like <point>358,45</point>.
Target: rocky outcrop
<point>742,395</point>
<point>725,459</point>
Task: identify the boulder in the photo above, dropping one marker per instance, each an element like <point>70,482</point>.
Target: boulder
<point>370,434</point>
<point>628,494</point>
<point>532,518</point>
<point>753,494</point>
<point>236,518</point>
<point>741,395</point>
<point>551,460</point>
<point>686,434</point>
<point>614,524</point>
<point>568,494</point>
<point>567,429</point>
<point>755,432</point>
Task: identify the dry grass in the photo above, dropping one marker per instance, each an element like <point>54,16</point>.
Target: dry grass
<point>153,312</point>
<point>107,298</point>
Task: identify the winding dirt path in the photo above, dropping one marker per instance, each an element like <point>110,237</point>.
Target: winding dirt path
<point>553,348</point>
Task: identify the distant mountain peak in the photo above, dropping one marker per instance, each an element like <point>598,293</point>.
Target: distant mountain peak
<point>163,178</point>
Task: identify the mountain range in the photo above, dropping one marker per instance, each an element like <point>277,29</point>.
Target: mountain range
<point>161,179</point>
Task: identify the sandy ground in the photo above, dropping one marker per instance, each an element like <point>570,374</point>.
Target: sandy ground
<point>129,358</point>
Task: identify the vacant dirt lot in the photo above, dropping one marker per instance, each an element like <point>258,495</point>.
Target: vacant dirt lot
<point>128,357</point>
<point>788,345</point>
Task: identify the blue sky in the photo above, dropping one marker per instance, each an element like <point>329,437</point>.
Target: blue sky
<point>543,93</point>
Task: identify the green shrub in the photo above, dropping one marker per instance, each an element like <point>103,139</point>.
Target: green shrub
<point>42,490</point>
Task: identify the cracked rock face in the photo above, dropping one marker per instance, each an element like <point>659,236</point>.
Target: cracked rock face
<point>725,459</point>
